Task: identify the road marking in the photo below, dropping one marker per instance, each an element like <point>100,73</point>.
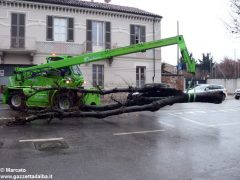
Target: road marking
<point>233,109</point>
<point>204,125</point>
<point>190,112</point>
<point>201,112</point>
<point>188,120</point>
<point>138,132</point>
<point>41,140</point>
<point>166,124</point>
<point>223,110</point>
<point>204,112</point>
<point>213,111</point>
<point>179,113</point>
<point>225,124</point>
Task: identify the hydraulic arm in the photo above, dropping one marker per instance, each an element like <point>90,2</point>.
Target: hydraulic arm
<point>108,54</point>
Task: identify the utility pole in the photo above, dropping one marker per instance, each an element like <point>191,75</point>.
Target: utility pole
<point>235,69</point>
<point>178,61</point>
<point>238,67</point>
<point>237,61</point>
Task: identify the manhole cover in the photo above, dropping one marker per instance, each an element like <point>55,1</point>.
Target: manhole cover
<point>50,145</point>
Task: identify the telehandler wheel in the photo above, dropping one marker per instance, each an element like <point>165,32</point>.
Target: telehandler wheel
<point>64,101</point>
<point>17,101</point>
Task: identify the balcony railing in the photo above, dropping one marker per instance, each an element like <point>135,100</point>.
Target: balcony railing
<point>50,47</point>
<point>9,43</point>
<point>69,48</point>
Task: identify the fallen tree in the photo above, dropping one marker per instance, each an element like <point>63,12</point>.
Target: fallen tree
<point>169,96</point>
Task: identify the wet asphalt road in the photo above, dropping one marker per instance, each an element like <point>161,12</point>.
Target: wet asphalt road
<point>183,141</point>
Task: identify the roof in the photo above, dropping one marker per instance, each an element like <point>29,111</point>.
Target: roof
<point>97,5</point>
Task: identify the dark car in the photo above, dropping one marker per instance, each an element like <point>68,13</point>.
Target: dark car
<point>152,90</point>
<point>237,94</point>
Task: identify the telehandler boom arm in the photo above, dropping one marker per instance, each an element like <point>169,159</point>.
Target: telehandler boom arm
<point>107,54</point>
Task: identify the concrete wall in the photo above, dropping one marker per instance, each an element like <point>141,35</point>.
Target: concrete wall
<point>35,34</point>
<point>230,84</point>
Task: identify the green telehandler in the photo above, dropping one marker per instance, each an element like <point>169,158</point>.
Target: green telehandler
<point>64,71</point>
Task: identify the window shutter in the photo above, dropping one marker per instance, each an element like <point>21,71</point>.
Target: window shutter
<point>14,31</point>
<point>108,35</point>
<point>89,36</point>
<point>70,36</point>
<point>14,25</point>
<point>22,19</point>
<point>143,34</point>
<point>21,32</point>
<point>14,19</point>
<point>17,30</point>
<point>132,34</point>
<point>49,28</point>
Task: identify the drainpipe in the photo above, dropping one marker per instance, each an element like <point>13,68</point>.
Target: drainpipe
<point>154,52</point>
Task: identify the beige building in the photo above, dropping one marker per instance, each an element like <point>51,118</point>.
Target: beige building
<point>31,30</point>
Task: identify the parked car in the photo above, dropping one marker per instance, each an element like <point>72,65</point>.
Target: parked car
<point>237,94</point>
<point>199,88</point>
<point>156,92</point>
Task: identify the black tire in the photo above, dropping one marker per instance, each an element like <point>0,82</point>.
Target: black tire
<point>236,97</point>
<point>17,101</point>
<point>64,101</point>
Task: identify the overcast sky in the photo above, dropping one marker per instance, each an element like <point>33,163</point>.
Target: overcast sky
<point>200,22</point>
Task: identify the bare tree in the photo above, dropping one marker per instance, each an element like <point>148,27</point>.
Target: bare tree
<point>234,25</point>
<point>228,68</point>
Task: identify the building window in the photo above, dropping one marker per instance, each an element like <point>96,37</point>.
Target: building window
<point>98,75</point>
<point>138,34</point>
<point>140,76</point>
<point>98,35</point>
<point>60,29</point>
<point>18,30</point>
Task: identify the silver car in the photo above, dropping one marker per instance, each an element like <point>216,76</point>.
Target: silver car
<point>199,88</point>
